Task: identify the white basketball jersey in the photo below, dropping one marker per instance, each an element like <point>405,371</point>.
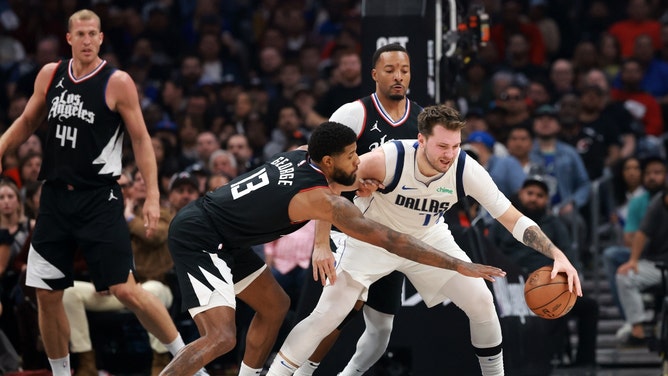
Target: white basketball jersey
<point>412,205</point>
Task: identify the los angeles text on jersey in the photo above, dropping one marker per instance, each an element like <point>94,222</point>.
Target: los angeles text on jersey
<point>286,170</point>
<point>68,105</point>
<point>422,204</point>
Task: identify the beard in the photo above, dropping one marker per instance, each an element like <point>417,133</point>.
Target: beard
<point>396,97</point>
<point>340,177</point>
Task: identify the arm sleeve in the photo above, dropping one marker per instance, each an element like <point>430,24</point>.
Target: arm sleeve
<point>351,115</point>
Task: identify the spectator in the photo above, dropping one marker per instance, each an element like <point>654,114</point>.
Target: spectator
<point>518,59</point>
<point>613,114</point>
<point>183,188</point>
<point>238,144</point>
<point>511,23</point>
<point>223,162</point>
<point>207,143</point>
<point>505,171</point>
<point>591,116</point>
<point>626,184</point>
<point>549,29</point>
<point>609,55</point>
<point>476,87</point>
<point>516,111</point>
<point>216,181</point>
<point>638,102</point>
<point>562,78</point>
<point>14,225</point>
<point>289,127</point>
<point>289,258</point>
<point>649,245</point>
<point>590,145</point>
<point>638,22</point>
<point>653,178</point>
<point>346,88</point>
<point>655,72</point>
<point>561,161</point>
<point>533,200</point>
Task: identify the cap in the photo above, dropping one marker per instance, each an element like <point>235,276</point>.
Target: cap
<point>481,137</point>
<point>166,125</point>
<point>197,168</point>
<point>181,178</point>
<point>546,110</point>
<point>536,180</point>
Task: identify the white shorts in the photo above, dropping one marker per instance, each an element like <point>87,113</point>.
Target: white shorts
<point>367,263</point>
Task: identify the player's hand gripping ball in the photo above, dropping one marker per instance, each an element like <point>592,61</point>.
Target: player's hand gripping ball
<point>546,297</point>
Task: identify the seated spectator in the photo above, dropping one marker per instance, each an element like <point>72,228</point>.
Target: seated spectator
<point>638,102</point>
<point>183,188</point>
<point>223,162</point>
<point>639,22</point>
<point>649,245</point>
<point>653,179</point>
<point>533,201</point>
<point>289,127</point>
<point>506,171</point>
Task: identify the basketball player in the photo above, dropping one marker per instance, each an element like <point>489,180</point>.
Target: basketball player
<point>378,118</point>
<point>422,180</point>
<point>210,241</point>
<point>88,106</point>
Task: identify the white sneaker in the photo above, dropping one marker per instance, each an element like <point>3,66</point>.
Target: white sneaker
<point>624,332</point>
<point>201,372</point>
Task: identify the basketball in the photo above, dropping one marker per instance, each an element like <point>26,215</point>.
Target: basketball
<point>548,298</point>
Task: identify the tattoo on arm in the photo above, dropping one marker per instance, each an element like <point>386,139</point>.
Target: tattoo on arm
<point>346,216</point>
<point>535,238</point>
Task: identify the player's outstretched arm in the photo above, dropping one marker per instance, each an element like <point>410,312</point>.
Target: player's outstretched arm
<point>348,218</point>
<point>530,234</point>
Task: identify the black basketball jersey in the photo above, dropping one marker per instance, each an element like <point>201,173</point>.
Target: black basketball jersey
<point>253,208</point>
<point>379,128</point>
<point>84,142</point>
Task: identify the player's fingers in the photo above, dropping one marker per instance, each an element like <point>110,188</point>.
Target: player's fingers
<point>331,274</point>
<point>323,276</point>
<point>315,272</point>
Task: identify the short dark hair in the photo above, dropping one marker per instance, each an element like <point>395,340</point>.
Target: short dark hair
<point>439,114</point>
<point>648,160</point>
<point>387,48</point>
<point>330,138</point>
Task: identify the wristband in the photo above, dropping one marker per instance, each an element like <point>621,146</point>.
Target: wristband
<point>520,227</point>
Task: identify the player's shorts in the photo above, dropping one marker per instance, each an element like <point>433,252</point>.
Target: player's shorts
<point>367,263</point>
<point>203,265</point>
<point>385,294</point>
<point>91,220</point>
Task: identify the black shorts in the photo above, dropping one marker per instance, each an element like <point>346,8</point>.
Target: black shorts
<point>385,294</point>
<point>91,220</point>
<point>202,266</point>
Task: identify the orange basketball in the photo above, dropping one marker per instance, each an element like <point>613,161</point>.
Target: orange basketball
<point>546,297</point>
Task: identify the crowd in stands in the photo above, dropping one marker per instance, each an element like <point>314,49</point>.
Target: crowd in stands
<point>572,93</point>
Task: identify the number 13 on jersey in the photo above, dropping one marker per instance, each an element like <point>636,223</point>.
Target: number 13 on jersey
<point>249,184</point>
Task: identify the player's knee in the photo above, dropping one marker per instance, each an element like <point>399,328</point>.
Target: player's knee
<point>128,294</point>
<point>221,339</point>
<point>479,305</point>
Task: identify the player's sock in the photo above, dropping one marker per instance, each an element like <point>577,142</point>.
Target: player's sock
<point>348,371</point>
<point>176,345</point>
<point>307,368</point>
<point>491,365</point>
<point>245,370</point>
<point>61,366</point>
<point>281,367</point>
